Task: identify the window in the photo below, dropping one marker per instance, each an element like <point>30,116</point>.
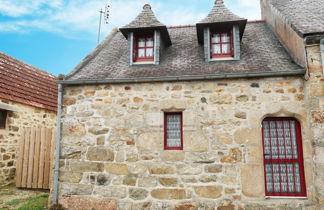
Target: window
<point>3,117</point>
<point>283,157</point>
<point>173,131</point>
<point>221,44</point>
<point>143,48</point>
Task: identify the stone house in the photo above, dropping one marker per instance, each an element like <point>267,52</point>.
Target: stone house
<point>28,98</point>
<point>224,114</point>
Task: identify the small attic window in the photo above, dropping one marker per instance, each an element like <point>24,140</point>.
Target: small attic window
<point>143,48</point>
<point>221,44</point>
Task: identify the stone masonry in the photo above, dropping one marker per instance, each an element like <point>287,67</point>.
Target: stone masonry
<point>112,147</point>
<point>27,116</point>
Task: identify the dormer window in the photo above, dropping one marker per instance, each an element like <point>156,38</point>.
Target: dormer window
<point>221,44</point>
<point>221,33</point>
<point>147,38</point>
<point>144,48</point>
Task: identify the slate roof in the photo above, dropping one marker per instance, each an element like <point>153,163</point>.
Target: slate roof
<point>260,52</point>
<point>145,19</point>
<point>305,16</point>
<point>220,14</point>
<point>26,84</point>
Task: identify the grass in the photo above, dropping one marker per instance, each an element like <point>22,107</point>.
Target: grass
<point>32,203</point>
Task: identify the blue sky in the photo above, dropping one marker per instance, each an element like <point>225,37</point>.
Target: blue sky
<point>55,35</point>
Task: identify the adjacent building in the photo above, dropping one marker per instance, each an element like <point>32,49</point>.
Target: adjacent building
<point>28,99</point>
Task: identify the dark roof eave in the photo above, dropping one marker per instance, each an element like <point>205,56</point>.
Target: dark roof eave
<point>185,77</point>
<point>200,27</point>
<point>163,29</point>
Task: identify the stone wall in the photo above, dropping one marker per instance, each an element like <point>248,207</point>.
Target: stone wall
<point>112,147</point>
<point>26,116</point>
<point>315,97</point>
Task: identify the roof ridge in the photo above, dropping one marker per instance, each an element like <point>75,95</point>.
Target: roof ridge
<point>182,26</point>
<point>191,25</point>
<point>26,64</point>
<point>256,21</point>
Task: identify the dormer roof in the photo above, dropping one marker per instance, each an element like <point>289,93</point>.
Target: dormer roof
<point>220,16</point>
<point>146,22</point>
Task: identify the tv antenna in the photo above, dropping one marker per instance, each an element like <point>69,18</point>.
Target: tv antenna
<point>105,13</point>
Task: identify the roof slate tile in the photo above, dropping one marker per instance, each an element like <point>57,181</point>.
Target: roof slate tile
<point>27,84</point>
<point>306,16</point>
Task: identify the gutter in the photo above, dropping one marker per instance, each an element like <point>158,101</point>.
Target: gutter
<point>183,78</point>
<point>57,144</point>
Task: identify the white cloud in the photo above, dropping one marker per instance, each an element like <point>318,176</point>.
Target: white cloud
<point>18,8</point>
<point>249,9</point>
<point>79,18</point>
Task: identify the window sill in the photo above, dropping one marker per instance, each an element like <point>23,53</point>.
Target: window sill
<point>143,62</point>
<point>223,59</point>
<point>286,197</point>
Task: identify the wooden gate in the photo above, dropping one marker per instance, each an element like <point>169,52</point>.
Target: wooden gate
<point>35,156</point>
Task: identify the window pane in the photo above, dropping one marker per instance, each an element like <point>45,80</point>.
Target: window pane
<point>215,38</point>
<point>280,141</point>
<point>149,52</point>
<point>225,37</point>
<point>141,42</point>
<point>173,130</point>
<point>216,49</point>
<point>149,42</point>
<point>141,53</point>
<point>226,49</point>
<point>282,162</point>
<point>2,119</point>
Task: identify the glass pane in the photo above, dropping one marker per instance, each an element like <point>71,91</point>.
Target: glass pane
<point>173,130</point>
<point>2,119</point>
<point>141,53</point>
<point>216,49</point>
<point>149,42</point>
<point>225,37</point>
<point>269,178</point>
<point>283,178</point>
<point>280,139</point>
<point>149,52</point>
<point>141,42</point>
<point>297,177</point>
<point>226,49</point>
<point>215,38</point>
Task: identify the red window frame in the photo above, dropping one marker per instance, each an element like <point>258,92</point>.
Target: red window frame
<point>136,48</point>
<point>299,160</point>
<point>166,131</point>
<point>4,120</point>
<point>222,55</point>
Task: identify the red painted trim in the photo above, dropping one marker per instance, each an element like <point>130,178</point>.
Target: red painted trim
<point>165,130</point>
<point>3,122</point>
<point>299,160</point>
<point>136,48</point>
<point>221,55</point>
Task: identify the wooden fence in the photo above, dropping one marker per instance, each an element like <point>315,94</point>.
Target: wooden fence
<point>35,156</point>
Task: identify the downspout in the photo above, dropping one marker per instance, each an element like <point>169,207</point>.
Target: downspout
<point>57,145</point>
<point>322,53</point>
